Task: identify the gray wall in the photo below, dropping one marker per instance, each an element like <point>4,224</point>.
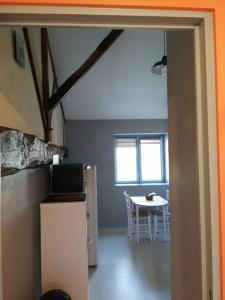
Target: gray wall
<point>21,195</point>
<point>92,142</point>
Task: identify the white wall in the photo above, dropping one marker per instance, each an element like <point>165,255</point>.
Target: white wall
<point>19,107</point>
<point>21,193</point>
<point>18,101</point>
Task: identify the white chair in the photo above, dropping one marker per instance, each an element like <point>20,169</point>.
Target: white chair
<point>144,224</point>
<point>162,220</point>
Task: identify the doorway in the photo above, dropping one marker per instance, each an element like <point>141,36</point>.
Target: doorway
<point>125,108</point>
<point>204,138</point>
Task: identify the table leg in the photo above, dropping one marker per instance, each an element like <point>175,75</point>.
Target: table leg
<point>137,223</point>
<point>164,221</point>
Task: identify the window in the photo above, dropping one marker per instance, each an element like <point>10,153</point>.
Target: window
<point>141,159</point>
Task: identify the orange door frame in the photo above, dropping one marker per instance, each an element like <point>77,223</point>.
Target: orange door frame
<point>217,7</point>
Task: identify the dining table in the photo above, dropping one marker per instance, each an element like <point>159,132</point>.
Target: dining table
<point>141,201</point>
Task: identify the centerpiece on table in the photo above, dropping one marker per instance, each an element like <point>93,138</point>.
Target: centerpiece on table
<point>150,196</point>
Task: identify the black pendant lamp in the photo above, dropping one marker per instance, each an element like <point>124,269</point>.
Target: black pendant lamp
<point>160,67</point>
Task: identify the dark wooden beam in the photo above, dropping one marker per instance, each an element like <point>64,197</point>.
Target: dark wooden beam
<point>52,61</point>
<point>34,74</point>
<point>45,78</point>
<point>86,66</point>
<point>55,82</point>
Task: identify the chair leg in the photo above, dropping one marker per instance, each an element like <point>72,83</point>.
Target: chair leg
<point>164,223</point>
<point>150,228</point>
<point>168,225</point>
<point>155,226</point>
<point>128,227</point>
<point>131,229</point>
<point>137,224</point>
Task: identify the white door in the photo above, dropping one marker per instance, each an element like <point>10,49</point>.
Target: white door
<point>184,173</point>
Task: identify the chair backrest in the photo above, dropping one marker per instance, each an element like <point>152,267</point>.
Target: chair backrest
<point>127,199</point>
<point>167,195</point>
<point>128,204</point>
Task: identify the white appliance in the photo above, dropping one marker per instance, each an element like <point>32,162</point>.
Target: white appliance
<point>92,219</point>
<point>69,230</point>
<point>64,257</point>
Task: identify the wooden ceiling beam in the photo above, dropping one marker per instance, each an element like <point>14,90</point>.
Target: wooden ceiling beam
<point>45,78</point>
<point>86,66</point>
<point>55,79</point>
<point>34,74</point>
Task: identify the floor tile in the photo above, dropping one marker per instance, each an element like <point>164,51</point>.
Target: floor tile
<point>130,271</point>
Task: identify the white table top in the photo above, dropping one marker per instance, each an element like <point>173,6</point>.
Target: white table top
<point>141,201</point>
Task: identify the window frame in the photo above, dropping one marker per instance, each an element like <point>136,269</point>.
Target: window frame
<point>138,138</point>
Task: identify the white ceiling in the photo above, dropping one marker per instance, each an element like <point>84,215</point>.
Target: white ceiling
<point>120,85</point>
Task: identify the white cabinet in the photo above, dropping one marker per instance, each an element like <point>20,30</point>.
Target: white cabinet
<point>64,257</point>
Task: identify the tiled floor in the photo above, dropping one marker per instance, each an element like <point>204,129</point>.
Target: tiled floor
<point>130,271</point>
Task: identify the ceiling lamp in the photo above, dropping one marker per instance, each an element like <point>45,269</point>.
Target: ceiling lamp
<point>160,67</point>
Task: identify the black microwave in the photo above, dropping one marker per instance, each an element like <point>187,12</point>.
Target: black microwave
<point>68,179</point>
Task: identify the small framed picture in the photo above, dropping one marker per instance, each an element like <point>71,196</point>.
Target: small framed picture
<point>19,49</point>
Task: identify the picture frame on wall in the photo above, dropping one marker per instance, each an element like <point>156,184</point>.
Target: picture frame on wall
<point>19,49</point>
